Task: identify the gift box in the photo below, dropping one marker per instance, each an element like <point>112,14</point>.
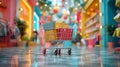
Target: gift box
<point>50,35</point>
<point>64,33</point>
<point>61,25</point>
<point>49,26</point>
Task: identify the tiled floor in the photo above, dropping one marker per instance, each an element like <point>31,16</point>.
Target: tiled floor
<point>81,57</point>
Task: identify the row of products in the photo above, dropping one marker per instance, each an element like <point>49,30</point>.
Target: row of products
<point>117,19</point>
<point>117,32</point>
<point>94,20</point>
<point>92,29</point>
<point>57,31</point>
<point>53,25</point>
<point>59,34</point>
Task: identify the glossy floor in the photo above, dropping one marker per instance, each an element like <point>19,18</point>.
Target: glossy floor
<point>81,57</point>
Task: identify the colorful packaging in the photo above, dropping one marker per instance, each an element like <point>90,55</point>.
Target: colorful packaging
<point>64,33</point>
<point>61,25</point>
<point>117,3</point>
<point>48,26</point>
<point>50,35</point>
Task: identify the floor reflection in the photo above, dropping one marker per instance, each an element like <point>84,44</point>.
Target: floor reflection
<point>14,61</point>
<point>28,58</point>
<point>80,57</point>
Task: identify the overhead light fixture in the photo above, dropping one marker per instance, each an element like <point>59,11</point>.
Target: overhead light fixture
<point>37,3</point>
<point>50,8</point>
<point>85,0</point>
<point>91,9</point>
<point>88,13</point>
<point>101,14</point>
<point>101,27</point>
<point>34,22</point>
<point>96,4</point>
<point>34,29</point>
<point>100,1</point>
<point>78,4</point>
<point>45,4</point>
<point>0,2</point>
<point>20,9</point>
<point>66,3</point>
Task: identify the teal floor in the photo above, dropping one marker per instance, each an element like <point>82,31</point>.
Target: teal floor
<point>80,57</point>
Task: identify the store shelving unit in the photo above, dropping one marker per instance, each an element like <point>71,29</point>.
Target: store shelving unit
<point>91,22</point>
<point>92,25</point>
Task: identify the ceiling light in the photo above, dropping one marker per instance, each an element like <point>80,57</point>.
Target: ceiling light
<point>45,4</point>
<point>101,27</point>
<point>85,0</point>
<point>96,4</point>
<point>21,9</point>
<point>100,14</point>
<point>88,13</point>
<point>91,9</point>
<point>50,8</point>
<point>34,22</point>
<point>66,3</point>
<point>78,4</point>
<point>37,3</point>
<point>100,1</point>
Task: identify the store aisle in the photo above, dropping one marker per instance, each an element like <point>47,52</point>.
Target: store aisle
<point>81,57</point>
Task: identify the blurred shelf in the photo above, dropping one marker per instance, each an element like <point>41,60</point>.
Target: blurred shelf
<point>91,17</point>
<point>90,38</point>
<point>88,3</point>
<point>93,23</point>
<point>91,31</point>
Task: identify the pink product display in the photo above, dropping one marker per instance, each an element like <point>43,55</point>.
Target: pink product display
<point>43,20</point>
<point>64,34</point>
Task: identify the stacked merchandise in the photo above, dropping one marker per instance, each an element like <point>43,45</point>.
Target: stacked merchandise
<point>61,25</point>
<point>57,31</point>
<point>117,30</point>
<point>48,26</point>
<point>50,32</point>
<point>117,17</point>
<point>50,35</point>
<point>64,33</point>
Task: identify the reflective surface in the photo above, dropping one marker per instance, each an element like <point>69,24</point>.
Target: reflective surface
<point>81,57</point>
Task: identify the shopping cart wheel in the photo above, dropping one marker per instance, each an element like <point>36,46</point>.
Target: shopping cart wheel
<point>59,51</point>
<point>56,52</point>
<point>69,51</point>
<point>44,51</point>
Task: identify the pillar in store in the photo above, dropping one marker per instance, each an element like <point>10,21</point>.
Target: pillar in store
<point>108,10</point>
<point>26,15</point>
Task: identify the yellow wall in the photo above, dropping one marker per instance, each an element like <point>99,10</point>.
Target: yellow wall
<point>26,15</point>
